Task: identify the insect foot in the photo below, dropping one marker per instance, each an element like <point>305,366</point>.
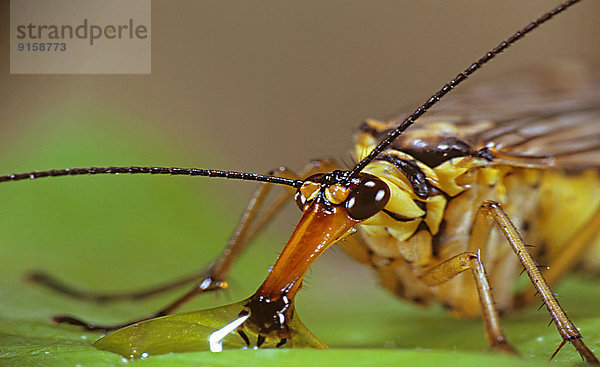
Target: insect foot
<point>503,346</point>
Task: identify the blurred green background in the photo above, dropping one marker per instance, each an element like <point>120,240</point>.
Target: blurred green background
<point>244,86</point>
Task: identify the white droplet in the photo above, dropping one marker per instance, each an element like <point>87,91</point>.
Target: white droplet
<point>215,340</point>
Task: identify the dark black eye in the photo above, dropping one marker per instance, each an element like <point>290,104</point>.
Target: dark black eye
<point>368,198</point>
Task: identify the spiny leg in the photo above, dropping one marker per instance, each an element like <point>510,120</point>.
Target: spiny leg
<point>456,265</point>
<point>212,279</point>
<point>566,328</point>
<point>566,259</point>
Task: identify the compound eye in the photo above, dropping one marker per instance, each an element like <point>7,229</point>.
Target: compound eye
<point>368,198</point>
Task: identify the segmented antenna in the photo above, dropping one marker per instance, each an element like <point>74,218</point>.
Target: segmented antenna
<point>154,171</point>
<point>297,183</point>
<point>391,136</point>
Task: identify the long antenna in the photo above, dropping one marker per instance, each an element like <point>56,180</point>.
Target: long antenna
<point>391,136</point>
<point>154,171</point>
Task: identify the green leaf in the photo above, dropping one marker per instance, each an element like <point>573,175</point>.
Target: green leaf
<point>192,331</point>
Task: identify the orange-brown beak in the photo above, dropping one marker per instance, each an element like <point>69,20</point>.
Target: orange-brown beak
<point>319,228</point>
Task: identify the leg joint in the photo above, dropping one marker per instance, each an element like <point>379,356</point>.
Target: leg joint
<point>490,204</point>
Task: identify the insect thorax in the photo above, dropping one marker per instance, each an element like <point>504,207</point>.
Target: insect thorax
<point>433,205</point>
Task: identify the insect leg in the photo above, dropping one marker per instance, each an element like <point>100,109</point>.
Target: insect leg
<point>214,277</point>
<point>51,282</point>
<point>251,223</point>
<point>208,279</point>
<point>456,265</point>
<point>566,328</point>
<point>566,259</point>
